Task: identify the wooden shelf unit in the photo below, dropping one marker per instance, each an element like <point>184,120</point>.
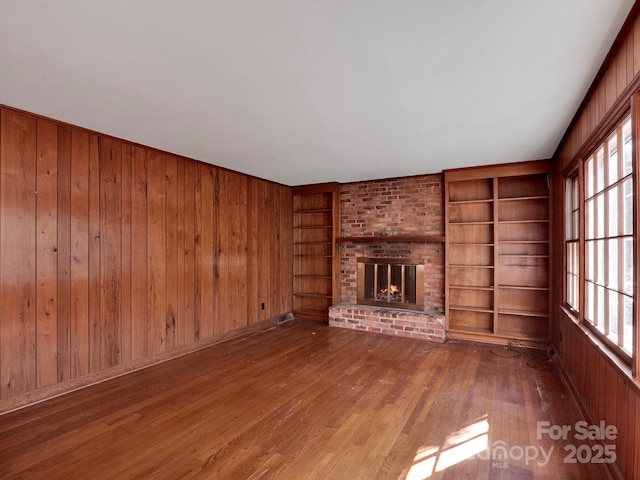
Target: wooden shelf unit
<point>497,252</point>
<point>315,259</point>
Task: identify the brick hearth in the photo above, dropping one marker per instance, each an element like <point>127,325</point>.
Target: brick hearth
<point>389,321</point>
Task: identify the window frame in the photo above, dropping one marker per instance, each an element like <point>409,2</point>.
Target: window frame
<point>577,176</point>
<point>573,223</point>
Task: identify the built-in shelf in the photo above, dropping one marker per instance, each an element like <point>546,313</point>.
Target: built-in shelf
<point>315,259</point>
<point>470,202</point>
<point>525,313</point>
<point>392,239</point>
<point>313,210</point>
<point>522,255</point>
<point>523,287</point>
<point>524,221</point>
<point>524,241</point>
<point>311,294</point>
<point>467,265</point>
<point>488,222</point>
<point>471,287</point>
<point>497,263</point>
<point>470,329</point>
<point>471,308</point>
<point>523,199</point>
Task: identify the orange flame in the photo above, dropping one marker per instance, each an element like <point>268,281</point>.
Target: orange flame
<point>392,289</point>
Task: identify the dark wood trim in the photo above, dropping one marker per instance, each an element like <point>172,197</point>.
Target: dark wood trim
<point>499,170</point>
<point>635,155</point>
<point>333,187</point>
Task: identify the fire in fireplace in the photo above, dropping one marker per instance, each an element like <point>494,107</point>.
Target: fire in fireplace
<point>392,282</point>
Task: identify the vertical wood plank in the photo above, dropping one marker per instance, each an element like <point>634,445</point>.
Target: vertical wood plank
<point>189,252</point>
<point>156,245</point>
<point>47,253</point>
<point>171,256</point>
<point>621,70</point>
<point>602,103</point>
<point>636,47</point>
<point>17,256</point>
<point>611,90</point>
<point>275,266</point>
<point>286,243</point>
<point>139,315</point>
<point>238,245</point>
<point>236,187</point>
<point>180,253</point>
<point>223,229</point>
<point>198,255</point>
<point>590,115</point>
<point>219,315</point>
<point>592,400</point>
<point>636,466</point>
<point>631,445</point>
<point>64,253</point>
<point>629,60</point>
<point>621,423</point>
<point>111,236</point>
<point>79,253</point>
<point>95,246</point>
<point>582,127</point>
<point>254,311</point>
<point>267,253</point>
<point>126,349</point>
<point>610,404</point>
<point>207,261</point>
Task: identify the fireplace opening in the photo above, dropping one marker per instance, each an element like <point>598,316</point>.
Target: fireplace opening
<point>392,282</point>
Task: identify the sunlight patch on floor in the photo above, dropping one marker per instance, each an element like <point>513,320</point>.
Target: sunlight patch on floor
<point>457,447</point>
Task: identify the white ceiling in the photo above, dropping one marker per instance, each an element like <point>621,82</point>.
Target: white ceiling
<point>308,91</point>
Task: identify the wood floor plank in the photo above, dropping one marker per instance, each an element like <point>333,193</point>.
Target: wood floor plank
<point>301,401</point>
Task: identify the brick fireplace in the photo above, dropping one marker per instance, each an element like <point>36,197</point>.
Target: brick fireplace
<point>402,219</point>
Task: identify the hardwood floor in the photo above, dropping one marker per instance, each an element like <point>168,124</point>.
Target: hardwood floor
<point>305,401</point>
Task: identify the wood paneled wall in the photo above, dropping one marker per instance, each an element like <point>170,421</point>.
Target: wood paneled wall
<point>608,395</point>
<point>604,388</point>
<point>117,255</point>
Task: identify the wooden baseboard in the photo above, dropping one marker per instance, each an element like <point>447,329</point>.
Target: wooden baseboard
<point>491,339</point>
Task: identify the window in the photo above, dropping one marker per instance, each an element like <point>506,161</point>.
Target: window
<point>572,211</point>
<point>608,240</point>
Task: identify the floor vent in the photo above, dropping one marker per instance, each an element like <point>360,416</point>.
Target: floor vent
<point>284,318</point>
